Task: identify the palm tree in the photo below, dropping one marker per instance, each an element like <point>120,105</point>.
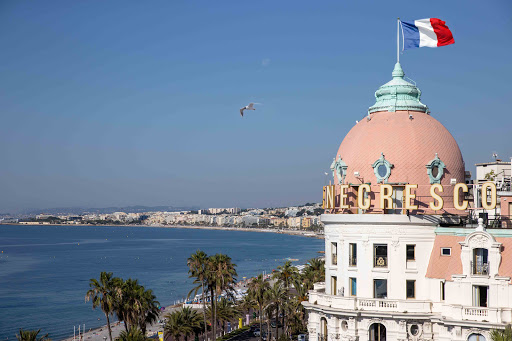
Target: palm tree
<point>183,322</point>
<point>226,312</point>
<point>257,290</point>
<point>31,335</point>
<point>104,293</point>
<point>174,325</point>
<point>286,275</point>
<point>148,313</point>
<point>314,272</point>
<point>130,305</point>
<point>198,266</point>
<point>502,334</point>
<point>276,296</point>
<point>221,274</point>
<point>134,334</point>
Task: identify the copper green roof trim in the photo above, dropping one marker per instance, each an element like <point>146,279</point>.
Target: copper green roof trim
<point>398,94</point>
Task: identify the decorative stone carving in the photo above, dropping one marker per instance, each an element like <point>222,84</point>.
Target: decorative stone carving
<point>478,241</point>
<point>395,244</point>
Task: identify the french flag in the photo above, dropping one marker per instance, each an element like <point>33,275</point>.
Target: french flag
<point>430,32</point>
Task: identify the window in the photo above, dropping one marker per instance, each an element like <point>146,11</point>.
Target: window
<point>415,330</point>
<point>476,337</point>
<point>334,253</point>
<point>411,252</point>
<point>435,170</point>
<point>353,286</point>
<point>377,332</point>
<point>446,251</point>
<point>382,169</point>
<point>334,282</point>
<point>380,255</point>
<point>380,288</point>
<point>480,263</point>
<point>442,291</point>
<point>352,254</point>
<point>411,288</point>
<point>480,295</point>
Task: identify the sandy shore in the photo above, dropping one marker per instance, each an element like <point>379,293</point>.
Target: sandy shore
<point>101,334</point>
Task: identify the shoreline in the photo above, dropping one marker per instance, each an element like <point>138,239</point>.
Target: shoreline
<point>309,234</point>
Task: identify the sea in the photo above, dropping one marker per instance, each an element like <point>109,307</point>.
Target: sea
<point>45,270</point>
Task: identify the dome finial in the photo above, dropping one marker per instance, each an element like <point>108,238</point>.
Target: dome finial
<point>398,72</point>
<point>398,94</point>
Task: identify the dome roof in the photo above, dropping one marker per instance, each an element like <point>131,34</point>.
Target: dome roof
<point>408,144</point>
<point>407,140</point>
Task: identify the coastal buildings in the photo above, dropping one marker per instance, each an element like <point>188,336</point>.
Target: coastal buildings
<point>409,255</point>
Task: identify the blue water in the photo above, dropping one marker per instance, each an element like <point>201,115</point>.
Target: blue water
<point>45,270</point>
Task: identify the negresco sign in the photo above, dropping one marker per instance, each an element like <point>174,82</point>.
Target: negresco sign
<point>488,189</point>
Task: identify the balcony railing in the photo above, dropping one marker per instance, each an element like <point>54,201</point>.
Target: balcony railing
<point>380,262</point>
<point>322,337</point>
<point>479,268</point>
<point>455,312</point>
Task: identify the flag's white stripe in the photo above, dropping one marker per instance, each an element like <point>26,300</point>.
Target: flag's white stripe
<point>428,37</point>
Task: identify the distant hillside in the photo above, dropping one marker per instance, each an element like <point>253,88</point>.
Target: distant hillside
<point>107,210</point>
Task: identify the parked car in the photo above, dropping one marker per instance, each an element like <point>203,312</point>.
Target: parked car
<point>256,332</point>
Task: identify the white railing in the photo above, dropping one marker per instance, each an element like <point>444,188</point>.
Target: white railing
<point>456,312</point>
<point>372,304</point>
<point>482,312</point>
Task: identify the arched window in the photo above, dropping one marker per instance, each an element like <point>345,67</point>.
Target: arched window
<point>377,332</point>
<point>476,337</point>
<point>323,329</point>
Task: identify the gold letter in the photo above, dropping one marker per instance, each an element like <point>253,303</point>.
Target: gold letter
<point>329,201</point>
<point>456,197</point>
<point>362,202</point>
<point>485,204</point>
<point>437,197</point>
<point>343,196</point>
<point>323,198</point>
<point>386,191</point>
<point>409,196</point>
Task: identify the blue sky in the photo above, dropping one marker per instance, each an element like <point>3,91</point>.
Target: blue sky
<point>110,103</point>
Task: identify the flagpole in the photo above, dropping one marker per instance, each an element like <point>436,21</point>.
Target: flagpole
<point>398,40</point>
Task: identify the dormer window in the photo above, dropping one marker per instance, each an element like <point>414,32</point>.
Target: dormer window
<point>382,169</point>
<point>480,262</point>
<point>339,170</point>
<point>435,170</point>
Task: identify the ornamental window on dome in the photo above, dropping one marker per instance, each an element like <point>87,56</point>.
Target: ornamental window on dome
<point>339,170</point>
<point>435,170</point>
<point>382,169</point>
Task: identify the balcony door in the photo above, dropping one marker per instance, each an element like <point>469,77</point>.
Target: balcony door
<point>480,294</point>
<point>480,261</point>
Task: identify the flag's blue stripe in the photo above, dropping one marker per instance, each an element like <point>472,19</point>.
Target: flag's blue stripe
<point>411,35</point>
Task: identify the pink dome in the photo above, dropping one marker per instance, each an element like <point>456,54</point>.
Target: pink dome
<point>408,144</point>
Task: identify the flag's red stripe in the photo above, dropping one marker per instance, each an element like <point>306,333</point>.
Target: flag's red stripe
<point>444,35</point>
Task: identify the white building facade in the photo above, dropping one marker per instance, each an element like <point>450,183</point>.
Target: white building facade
<point>407,271</point>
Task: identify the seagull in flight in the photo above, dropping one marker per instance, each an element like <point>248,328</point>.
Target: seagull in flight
<point>247,107</point>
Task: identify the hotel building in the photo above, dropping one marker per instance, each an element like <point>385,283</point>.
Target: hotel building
<point>411,269</point>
